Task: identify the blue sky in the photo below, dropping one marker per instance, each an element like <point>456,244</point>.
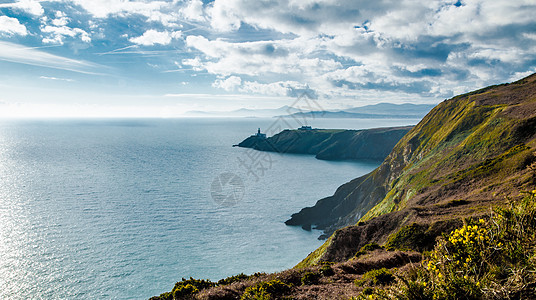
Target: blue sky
<point>161,58</point>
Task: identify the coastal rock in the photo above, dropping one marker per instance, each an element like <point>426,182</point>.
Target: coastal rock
<point>332,144</point>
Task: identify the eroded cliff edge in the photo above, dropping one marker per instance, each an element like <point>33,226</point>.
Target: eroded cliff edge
<point>465,154</point>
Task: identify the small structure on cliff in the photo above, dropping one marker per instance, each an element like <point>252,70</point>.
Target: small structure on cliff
<point>259,134</point>
<point>304,127</point>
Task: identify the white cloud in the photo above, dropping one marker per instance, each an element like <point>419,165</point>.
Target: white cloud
<point>164,12</point>
<point>229,84</point>
<point>61,19</point>
<point>223,16</point>
<point>195,63</point>
<point>29,6</point>
<point>259,58</point>
<point>152,37</point>
<point>56,34</point>
<point>56,78</point>
<point>31,56</point>
<point>194,11</point>
<point>520,75</point>
<point>300,17</point>
<point>11,26</point>
<point>104,8</point>
<point>280,88</point>
<point>342,46</point>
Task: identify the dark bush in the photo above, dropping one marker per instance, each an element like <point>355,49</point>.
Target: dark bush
<point>186,288</point>
<point>326,271</point>
<point>367,248</point>
<point>184,291</point>
<point>410,237</point>
<point>266,290</point>
<point>310,278</point>
<point>231,279</point>
<point>376,277</point>
<point>367,291</point>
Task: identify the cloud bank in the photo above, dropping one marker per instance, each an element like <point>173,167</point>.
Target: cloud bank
<point>422,50</point>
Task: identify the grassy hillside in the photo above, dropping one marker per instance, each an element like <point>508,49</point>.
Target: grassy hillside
<point>486,258</point>
<point>469,153</point>
<point>450,214</point>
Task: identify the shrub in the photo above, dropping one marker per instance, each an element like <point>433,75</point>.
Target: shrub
<point>367,248</point>
<point>367,291</point>
<point>326,271</point>
<point>371,247</point>
<point>184,291</point>
<point>187,287</point>
<point>494,258</point>
<point>410,237</point>
<point>200,284</point>
<point>163,296</point>
<point>376,277</point>
<point>231,279</point>
<point>310,278</point>
<point>266,290</point>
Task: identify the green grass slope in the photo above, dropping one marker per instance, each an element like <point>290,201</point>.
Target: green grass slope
<point>469,153</point>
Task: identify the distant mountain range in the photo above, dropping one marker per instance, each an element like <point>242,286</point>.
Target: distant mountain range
<point>245,112</point>
<point>376,111</point>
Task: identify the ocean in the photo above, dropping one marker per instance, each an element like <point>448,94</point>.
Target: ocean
<point>122,209</point>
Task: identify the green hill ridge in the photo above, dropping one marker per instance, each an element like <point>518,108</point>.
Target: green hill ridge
<point>467,171</point>
<point>469,153</point>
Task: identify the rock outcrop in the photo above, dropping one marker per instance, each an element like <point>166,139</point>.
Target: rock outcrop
<point>332,144</point>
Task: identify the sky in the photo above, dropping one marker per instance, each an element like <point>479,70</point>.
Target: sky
<point>118,58</point>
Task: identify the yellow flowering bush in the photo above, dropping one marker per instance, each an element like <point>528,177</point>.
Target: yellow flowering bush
<point>487,258</point>
<point>455,264</point>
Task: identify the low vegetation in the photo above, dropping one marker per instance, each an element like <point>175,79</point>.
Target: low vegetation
<point>185,289</point>
<point>376,277</point>
<point>273,289</point>
<point>492,258</point>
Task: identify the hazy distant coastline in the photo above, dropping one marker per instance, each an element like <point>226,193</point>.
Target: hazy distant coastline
<point>376,111</point>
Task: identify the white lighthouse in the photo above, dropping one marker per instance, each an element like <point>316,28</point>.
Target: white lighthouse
<point>259,134</point>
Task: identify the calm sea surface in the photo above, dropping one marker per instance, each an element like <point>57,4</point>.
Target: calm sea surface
<point>122,209</point>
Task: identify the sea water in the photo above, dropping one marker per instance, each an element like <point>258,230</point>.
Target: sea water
<point>122,209</point>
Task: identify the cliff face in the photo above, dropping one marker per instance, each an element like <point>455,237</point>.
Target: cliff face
<point>467,152</point>
<point>470,153</point>
<point>373,144</point>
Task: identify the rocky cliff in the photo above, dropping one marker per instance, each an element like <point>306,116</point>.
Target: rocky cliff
<point>465,154</point>
<point>469,154</point>
<point>332,144</point>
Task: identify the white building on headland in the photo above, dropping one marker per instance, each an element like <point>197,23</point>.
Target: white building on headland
<point>259,134</point>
